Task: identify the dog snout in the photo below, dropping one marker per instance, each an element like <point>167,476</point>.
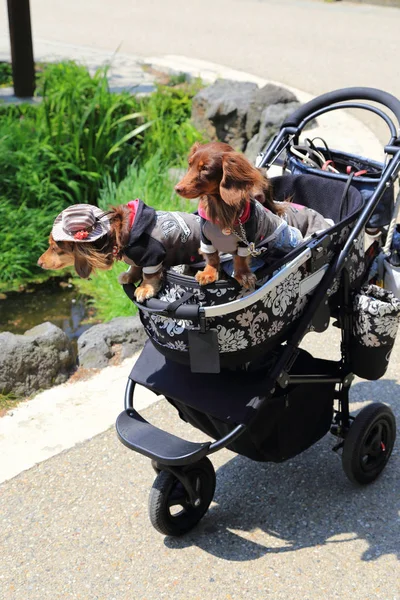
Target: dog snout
<point>179,188</point>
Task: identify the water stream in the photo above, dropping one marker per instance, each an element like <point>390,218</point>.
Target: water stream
<point>55,301</point>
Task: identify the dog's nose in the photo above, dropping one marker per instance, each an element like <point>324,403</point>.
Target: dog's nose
<point>40,263</point>
<point>179,188</point>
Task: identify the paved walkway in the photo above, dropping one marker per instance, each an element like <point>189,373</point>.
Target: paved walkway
<point>314,46</point>
<point>76,525</point>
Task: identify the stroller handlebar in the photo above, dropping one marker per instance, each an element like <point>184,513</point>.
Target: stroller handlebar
<point>342,95</point>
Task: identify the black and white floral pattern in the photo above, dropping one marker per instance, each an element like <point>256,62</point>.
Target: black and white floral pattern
<point>376,316</point>
<point>257,325</point>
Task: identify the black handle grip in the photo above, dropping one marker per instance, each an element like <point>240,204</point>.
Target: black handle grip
<point>353,93</point>
<point>187,312</point>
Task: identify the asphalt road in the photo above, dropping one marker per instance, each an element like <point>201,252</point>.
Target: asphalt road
<point>314,46</point>
<point>76,525</point>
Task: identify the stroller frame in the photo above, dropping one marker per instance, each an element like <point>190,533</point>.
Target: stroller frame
<point>181,463</point>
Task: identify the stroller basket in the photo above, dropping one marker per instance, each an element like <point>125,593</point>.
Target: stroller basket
<point>367,175</point>
<point>244,326</point>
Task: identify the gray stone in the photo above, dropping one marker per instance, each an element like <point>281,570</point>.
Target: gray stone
<point>264,97</point>
<point>39,359</point>
<point>271,120</point>
<point>110,342</point>
<point>220,111</point>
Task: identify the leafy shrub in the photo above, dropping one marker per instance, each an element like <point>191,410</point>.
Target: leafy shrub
<point>5,74</point>
<point>67,144</point>
<point>23,237</point>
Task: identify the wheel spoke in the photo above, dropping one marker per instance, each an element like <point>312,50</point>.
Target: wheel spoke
<point>373,444</point>
<point>178,496</point>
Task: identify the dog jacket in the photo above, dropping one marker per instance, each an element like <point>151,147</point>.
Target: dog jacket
<point>262,227</point>
<point>160,238</point>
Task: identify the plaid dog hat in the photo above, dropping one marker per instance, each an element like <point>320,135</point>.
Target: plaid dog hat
<point>80,223</point>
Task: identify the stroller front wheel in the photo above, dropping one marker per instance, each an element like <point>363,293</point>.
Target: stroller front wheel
<point>369,443</point>
<point>170,510</point>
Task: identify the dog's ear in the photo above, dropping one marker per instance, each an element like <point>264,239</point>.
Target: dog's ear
<point>81,263</point>
<point>194,149</point>
<point>238,177</point>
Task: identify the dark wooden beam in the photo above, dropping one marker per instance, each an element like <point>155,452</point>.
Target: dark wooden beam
<point>23,68</point>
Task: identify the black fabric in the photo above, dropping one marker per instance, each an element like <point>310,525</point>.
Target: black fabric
<point>228,360</point>
<point>369,362</point>
<point>365,184</point>
<point>293,422</point>
<point>323,195</point>
<point>225,395</point>
<point>289,421</point>
<point>143,249</point>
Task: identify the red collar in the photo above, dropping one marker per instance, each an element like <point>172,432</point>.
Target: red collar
<point>132,205</point>
<point>243,218</point>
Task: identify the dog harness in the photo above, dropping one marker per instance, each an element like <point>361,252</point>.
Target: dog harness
<point>160,238</point>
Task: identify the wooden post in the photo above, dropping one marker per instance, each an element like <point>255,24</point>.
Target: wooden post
<point>23,67</point>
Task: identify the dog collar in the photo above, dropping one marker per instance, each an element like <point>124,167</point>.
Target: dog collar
<point>243,217</point>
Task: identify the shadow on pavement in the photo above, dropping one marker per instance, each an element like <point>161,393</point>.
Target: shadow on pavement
<point>302,503</point>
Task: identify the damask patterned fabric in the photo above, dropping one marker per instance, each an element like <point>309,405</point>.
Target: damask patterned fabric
<point>257,326</point>
<point>376,316</point>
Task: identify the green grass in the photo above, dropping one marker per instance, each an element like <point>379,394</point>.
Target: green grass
<point>64,146</point>
<point>7,402</point>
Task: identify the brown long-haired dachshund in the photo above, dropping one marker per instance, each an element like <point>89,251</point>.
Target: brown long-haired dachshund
<point>226,182</point>
<point>238,212</point>
<point>88,238</point>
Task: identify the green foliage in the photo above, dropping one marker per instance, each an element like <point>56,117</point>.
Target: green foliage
<point>64,146</point>
<point>171,133</point>
<point>7,402</point>
<point>83,144</point>
<point>5,74</point>
<point>23,237</point>
<point>107,295</point>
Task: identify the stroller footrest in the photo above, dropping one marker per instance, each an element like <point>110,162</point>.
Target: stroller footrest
<point>138,434</point>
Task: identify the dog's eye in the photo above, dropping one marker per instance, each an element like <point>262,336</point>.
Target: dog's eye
<point>204,168</point>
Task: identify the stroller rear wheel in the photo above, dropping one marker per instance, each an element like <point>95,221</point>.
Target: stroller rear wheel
<point>369,443</point>
<point>170,510</point>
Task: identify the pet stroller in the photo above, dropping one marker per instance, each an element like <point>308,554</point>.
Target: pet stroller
<point>230,362</point>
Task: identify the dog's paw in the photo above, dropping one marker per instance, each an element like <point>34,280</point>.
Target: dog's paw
<point>206,277</point>
<point>247,280</point>
<point>145,292</point>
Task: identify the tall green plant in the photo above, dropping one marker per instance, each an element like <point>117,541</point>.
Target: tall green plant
<point>172,134</point>
<point>95,137</point>
<point>65,145</point>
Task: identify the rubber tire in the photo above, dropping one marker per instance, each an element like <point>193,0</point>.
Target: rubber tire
<point>359,466</point>
<point>166,485</point>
